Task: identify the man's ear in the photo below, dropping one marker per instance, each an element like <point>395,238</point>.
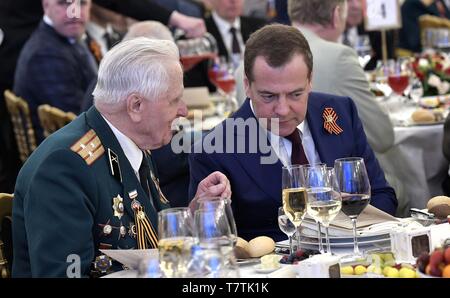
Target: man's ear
<point>247,86</point>
<point>134,107</point>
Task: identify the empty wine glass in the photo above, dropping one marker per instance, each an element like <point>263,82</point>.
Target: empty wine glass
<point>287,227</point>
<point>324,199</point>
<point>294,196</point>
<point>354,186</point>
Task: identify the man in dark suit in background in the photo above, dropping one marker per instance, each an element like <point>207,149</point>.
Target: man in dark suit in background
<point>409,37</point>
<point>19,18</point>
<point>282,123</point>
<point>55,66</point>
<point>231,31</point>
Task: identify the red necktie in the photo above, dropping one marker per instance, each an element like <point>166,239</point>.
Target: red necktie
<point>298,156</point>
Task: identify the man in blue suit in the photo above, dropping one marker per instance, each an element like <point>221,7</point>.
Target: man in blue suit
<point>55,66</point>
<point>298,125</point>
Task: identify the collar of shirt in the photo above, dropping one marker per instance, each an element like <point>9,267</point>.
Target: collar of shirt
<point>130,149</point>
<point>224,29</point>
<point>284,150</point>
<point>49,22</point>
<point>97,33</point>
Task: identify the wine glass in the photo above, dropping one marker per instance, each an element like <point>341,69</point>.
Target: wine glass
<point>222,205</point>
<point>324,199</point>
<point>221,75</point>
<point>214,238</point>
<point>287,227</point>
<point>175,240</point>
<point>398,75</point>
<point>294,196</point>
<point>354,186</point>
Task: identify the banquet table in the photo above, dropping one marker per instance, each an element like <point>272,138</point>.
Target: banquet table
<point>415,166</point>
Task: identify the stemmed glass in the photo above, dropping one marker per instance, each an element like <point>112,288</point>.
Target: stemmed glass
<point>287,227</point>
<point>324,198</point>
<point>398,75</point>
<point>354,185</point>
<point>221,75</point>
<point>175,240</point>
<point>294,196</point>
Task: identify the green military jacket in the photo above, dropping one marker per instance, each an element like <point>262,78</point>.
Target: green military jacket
<point>72,198</point>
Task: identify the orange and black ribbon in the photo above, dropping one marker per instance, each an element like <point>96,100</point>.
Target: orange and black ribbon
<point>145,233</point>
<point>330,117</point>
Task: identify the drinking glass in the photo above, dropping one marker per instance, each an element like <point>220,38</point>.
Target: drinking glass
<point>221,74</point>
<point>324,199</point>
<point>215,243</point>
<point>398,75</point>
<point>221,205</point>
<point>287,227</point>
<point>294,196</point>
<point>175,240</point>
<point>354,186</point>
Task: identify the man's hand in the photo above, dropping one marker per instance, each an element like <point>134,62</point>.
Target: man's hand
<point>215,185</point>
<point>193,27</point>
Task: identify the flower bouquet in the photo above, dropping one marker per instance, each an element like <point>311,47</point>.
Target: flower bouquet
<point>433,70</point>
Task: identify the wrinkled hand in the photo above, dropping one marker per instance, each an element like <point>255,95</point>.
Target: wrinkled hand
<point>193,27</point>
<point>215,185</point>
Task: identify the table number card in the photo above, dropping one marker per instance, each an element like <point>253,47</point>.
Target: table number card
<point>382,15</point>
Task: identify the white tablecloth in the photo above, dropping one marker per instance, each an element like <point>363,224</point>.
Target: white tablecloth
<point>415,166</point>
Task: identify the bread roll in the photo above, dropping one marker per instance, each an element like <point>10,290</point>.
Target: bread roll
<point>241,249</point>
<point>261,246</point>
<point>439,206</point>
<point>423,116</point>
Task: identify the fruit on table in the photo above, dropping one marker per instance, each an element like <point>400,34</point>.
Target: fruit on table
<point>360,270</point>
<point>347,270</point>
<point>406,272</point>
<point>436,263</point>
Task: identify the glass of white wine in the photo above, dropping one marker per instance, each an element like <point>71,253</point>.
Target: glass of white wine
<point>324,198</point>
<point>294,196</point>
<point>175,240</point>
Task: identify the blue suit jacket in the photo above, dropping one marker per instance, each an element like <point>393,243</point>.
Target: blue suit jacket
<point>51,71</point>
<point>256,187</point>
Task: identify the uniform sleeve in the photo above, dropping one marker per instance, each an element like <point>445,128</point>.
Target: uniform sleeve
<point>382,195</point>
<point>352,82</point>
<point>59,214</point>
<point>138,9</point>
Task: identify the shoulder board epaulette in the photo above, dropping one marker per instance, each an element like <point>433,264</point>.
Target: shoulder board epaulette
<point>88,147</point>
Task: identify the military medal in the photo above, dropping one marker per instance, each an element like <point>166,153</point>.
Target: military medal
<point>144,231</point>
<point>102,263</point>
<point>330,117</point>
<point>122,231</point>
<point>118,206</point>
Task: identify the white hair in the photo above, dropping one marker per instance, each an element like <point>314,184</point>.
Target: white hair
<point>137,65</point>
<point>149,29</point>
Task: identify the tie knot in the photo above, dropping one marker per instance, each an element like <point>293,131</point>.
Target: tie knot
<point>233,30</point>
<point>294,137</point>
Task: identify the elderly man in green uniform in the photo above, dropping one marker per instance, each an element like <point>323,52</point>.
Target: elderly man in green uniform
<point>91,185</point>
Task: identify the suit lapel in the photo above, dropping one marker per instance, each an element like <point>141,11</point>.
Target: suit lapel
<point>328,146</point>
<point>212,28</point>
<point>266,176</point>
<point>129,181</point>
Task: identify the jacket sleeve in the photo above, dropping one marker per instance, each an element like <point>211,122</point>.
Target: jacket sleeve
<point>138,9</point>
<point>59,223</point>
<point>352,82</point>
<point>382,195</point>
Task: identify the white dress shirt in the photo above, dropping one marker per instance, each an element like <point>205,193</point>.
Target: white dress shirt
<point>284,150</point>
<point>97,33</point>
<point>130,149</point>
<point>224,29</point>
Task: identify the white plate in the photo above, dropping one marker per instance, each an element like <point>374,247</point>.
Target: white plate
<point>258,269</point>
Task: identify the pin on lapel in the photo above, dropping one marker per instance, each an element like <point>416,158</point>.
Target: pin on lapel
<point>330,117</point>
<point>118,206</point>
<point>114,165</point>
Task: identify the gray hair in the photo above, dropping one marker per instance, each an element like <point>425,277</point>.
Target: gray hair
<point>313,11</point>
<point>137,65</point>
<point>149,29</point>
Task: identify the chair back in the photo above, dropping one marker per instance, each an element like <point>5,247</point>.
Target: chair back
<point>434,32</point>
<point>23,129</point>
<point>6,250</point>
<point>52,118</point>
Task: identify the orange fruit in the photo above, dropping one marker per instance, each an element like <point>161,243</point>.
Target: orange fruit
<point>446,271</point>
